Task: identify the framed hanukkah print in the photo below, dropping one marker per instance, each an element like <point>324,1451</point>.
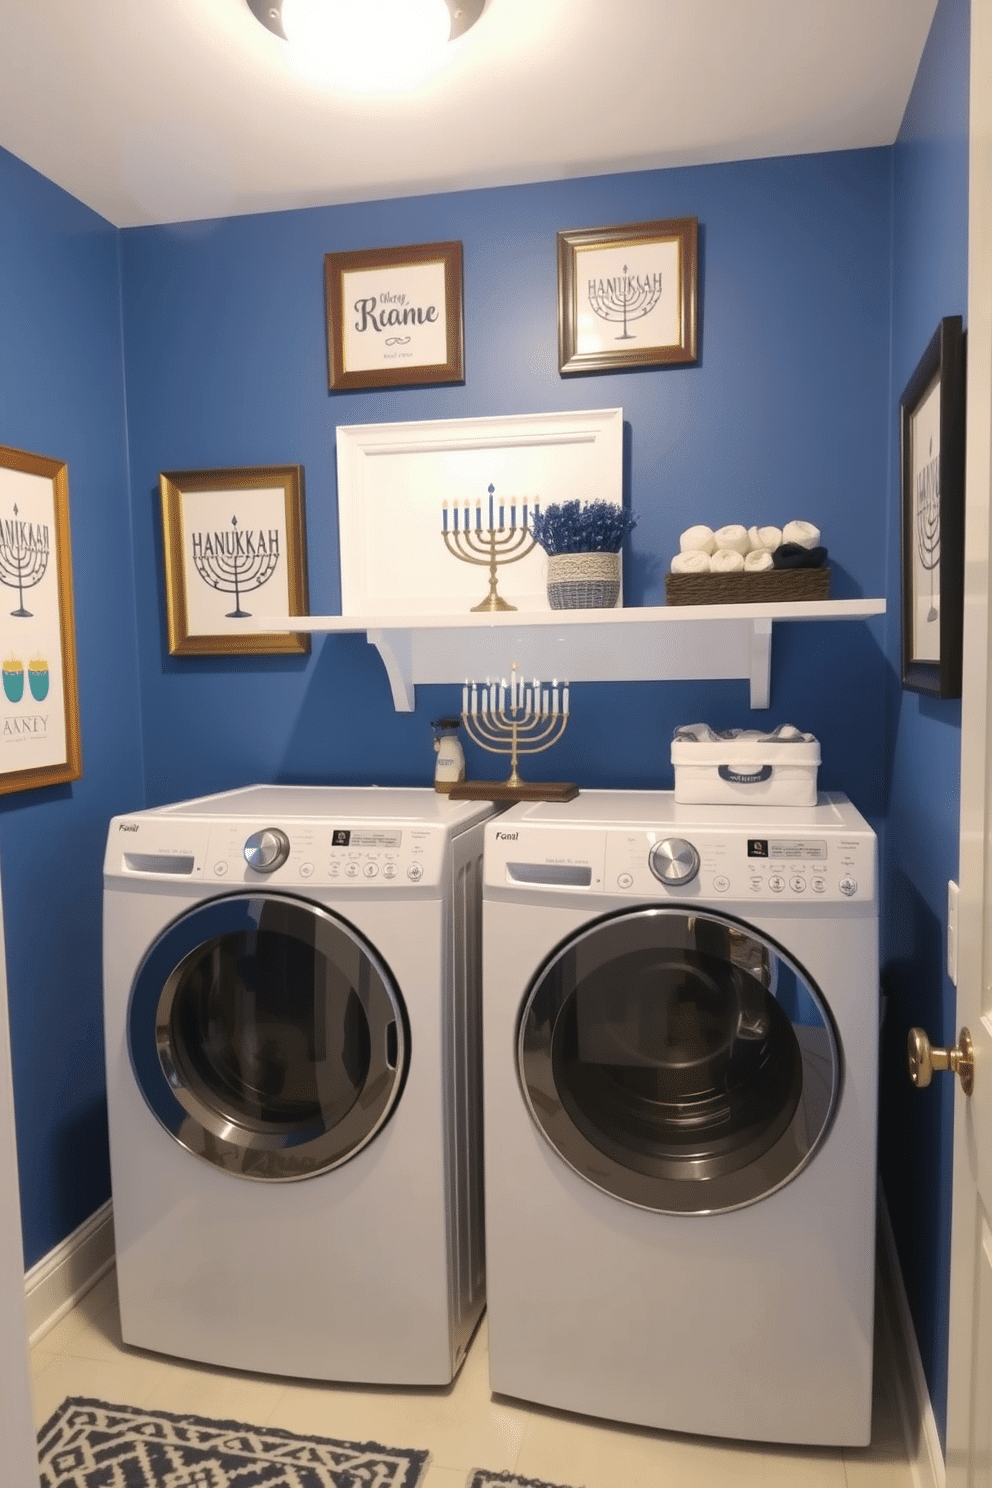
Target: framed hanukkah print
<point>394,316</point>
<point>627,295</point>
<point>931,418</point>
<point>39,708</point>
<point>235,552</point>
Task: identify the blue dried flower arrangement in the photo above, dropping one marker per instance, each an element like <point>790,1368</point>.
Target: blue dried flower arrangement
<point>570,527</point>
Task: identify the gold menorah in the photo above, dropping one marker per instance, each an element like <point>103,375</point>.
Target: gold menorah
<point>515,717</point>
<point>493,545</point>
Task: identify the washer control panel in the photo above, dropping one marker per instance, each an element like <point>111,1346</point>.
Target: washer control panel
<point>761,868</point>
<point>297,854</point>
<point>685,862</point>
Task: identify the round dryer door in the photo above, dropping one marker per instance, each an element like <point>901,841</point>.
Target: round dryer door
<point>267,1036</point>
<point>678,1061</point>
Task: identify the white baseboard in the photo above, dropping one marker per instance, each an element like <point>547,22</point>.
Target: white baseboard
<point>926,1458</point>
<point>56,1283</point>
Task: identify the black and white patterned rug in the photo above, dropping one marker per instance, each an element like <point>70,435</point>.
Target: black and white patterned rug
<point>90,1444</point>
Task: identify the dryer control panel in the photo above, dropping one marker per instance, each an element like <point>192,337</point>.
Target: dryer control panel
<point>295,854</point>
<point>677,862</point>
<point>763,868</point>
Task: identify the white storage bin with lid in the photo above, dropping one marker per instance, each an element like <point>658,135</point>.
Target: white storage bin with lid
<point>743,767</point>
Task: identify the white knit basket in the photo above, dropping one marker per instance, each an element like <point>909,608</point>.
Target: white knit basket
<point>583,581</point>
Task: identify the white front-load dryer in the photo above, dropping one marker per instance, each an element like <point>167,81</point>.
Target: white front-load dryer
<point>680,1054</point>
<point>292,980</point>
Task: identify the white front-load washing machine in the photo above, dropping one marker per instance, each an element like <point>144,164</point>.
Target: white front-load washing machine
<point>680,1050</point>
<point>292,982</point>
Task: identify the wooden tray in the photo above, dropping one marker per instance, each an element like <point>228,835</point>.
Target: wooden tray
<point>496,790</point>
<point>747,588</point>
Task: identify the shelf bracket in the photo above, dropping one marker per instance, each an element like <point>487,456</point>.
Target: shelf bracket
<point>396,649</point>
<point>761,663</point>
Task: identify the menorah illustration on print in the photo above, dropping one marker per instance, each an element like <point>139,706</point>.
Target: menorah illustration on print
<point>623,298</point>
<point>928,522</point>
<point>24,549</point>
<point>236,562</point>
<point>493,545</point>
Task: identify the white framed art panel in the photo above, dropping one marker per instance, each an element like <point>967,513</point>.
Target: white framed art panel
<point>394,479</point>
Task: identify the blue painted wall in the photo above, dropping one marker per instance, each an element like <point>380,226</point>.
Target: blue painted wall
<point>62,395</point>
<point>930,232</point>
<point>785,415</point>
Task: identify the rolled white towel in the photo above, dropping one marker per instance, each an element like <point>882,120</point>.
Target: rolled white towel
<point>727,560</point>
<point>692,561</point>
<point>699,539</point>
<point>734,537</point>
<point>757,560</point>
<point>765,537</point>
<point>786,733</point>
<point>803,533</point>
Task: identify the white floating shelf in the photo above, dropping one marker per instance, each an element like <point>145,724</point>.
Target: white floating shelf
<point>669,643</point>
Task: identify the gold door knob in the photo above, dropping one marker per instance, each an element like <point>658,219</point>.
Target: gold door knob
<point>924,1059</point>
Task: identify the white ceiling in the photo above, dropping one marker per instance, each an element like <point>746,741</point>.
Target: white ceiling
<point>156,111</point>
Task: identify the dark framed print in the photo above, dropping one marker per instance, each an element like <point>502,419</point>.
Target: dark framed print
<point>931,426</point>
<point>394,316</point>
<point>627,296</point>
<point>235,551</point>
<point>39,707</point>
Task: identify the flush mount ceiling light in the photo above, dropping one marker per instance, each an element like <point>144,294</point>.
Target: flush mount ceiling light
<point>368,45</point>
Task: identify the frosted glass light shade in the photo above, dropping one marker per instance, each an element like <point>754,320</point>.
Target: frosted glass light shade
<point>367,45</point>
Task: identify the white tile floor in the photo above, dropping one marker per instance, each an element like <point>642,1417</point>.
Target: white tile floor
<point>463,1426</point>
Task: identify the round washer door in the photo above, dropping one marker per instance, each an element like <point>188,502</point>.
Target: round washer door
<point>267,1036</point>
<point>678,1060</point>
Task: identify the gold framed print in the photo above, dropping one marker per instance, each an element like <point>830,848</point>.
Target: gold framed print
<point>235,551</point>
<point>627,296</point>
<point>394,316</point>
<point>39,706</point>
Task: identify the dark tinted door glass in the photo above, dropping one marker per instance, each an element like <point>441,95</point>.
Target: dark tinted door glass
<point>268,1036</point>
<point>268,1030</point>
<point>678,1060</point>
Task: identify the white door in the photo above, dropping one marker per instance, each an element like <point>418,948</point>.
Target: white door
<point>17,1438</point>
<point>969,1423</point>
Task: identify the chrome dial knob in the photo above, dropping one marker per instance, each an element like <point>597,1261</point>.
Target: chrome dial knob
<point>674,861</point>
<point>267,850</point>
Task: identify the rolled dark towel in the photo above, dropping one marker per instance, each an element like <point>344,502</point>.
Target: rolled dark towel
<point>792,555</point>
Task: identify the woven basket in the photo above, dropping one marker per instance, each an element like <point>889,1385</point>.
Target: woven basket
<point>583,581</point>
<point>747,588</point>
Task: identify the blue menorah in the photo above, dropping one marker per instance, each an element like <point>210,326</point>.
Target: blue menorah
<point>501,542</point>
